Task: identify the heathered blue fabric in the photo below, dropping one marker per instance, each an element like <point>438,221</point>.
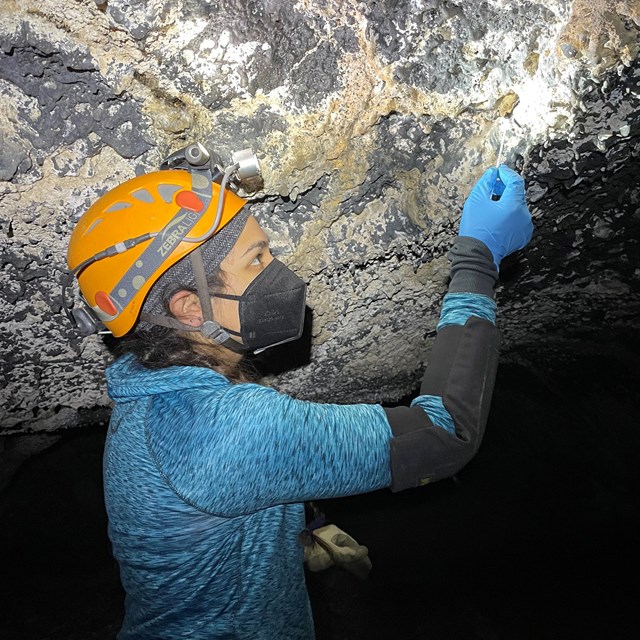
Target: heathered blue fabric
<point>204,484</point>
<point>434,407</point>
<point>457,308</point>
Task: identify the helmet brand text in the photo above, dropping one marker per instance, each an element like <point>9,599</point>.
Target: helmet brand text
<point>177,233</point>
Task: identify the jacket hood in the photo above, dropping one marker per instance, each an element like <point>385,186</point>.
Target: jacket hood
<point>128,379</point>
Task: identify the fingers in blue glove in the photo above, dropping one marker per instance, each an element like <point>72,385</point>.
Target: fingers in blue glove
<point>507,178</point>
<point>508,175</point>
<point>484,186</point>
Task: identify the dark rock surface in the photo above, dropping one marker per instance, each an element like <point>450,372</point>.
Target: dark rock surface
<point>372,121</point>
<point>70,101</point>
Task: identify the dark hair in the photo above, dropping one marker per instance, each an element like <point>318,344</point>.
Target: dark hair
<point>160,347</point>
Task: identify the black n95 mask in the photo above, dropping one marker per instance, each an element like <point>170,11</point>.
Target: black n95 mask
<point>271,308</point>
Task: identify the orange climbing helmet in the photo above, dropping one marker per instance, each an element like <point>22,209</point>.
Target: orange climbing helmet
<point>137,231</point>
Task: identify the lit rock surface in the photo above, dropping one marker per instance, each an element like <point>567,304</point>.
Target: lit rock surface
<point>372,121</point>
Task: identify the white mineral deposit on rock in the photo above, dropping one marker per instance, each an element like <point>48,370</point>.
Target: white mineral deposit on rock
<point>371,120</point>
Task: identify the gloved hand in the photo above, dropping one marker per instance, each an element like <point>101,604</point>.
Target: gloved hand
<point>504,225</point>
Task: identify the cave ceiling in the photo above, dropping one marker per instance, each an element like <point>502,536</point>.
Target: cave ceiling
<point>371,120</point>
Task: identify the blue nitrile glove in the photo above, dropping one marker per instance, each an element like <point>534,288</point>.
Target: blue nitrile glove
<point>503,224</point>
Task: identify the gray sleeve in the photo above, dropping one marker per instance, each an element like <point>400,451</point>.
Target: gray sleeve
<point>472,267</point>
<point>462,370</point>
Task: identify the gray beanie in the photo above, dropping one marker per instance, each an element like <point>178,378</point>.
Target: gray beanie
<point>180,275</point>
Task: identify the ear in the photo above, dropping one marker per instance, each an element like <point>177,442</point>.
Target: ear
<point>185,306</point>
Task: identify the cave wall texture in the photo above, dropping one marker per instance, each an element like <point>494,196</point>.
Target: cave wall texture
<point>371,119</point>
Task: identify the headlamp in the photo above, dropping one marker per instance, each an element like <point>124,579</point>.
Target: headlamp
<point>246,174</point>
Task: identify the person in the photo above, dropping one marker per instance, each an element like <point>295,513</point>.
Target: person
<point>205,472</point>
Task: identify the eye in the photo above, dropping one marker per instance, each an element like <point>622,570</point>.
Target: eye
<point>257,260</point>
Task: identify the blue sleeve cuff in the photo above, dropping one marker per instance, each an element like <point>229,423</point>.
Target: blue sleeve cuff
<point>434,407</point>
<point>457,308</point>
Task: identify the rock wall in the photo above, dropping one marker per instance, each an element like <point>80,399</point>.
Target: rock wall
<point>372,121</point>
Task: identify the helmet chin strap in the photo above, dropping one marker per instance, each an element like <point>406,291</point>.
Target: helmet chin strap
<point>209,328</point>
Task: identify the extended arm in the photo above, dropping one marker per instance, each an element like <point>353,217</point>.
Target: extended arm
<point>442,430</point>
<point>245,447</point>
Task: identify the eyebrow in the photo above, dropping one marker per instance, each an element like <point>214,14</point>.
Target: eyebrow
<point>260,244</point>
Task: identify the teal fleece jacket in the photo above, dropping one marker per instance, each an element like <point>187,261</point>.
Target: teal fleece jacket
<point>205,482</point>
